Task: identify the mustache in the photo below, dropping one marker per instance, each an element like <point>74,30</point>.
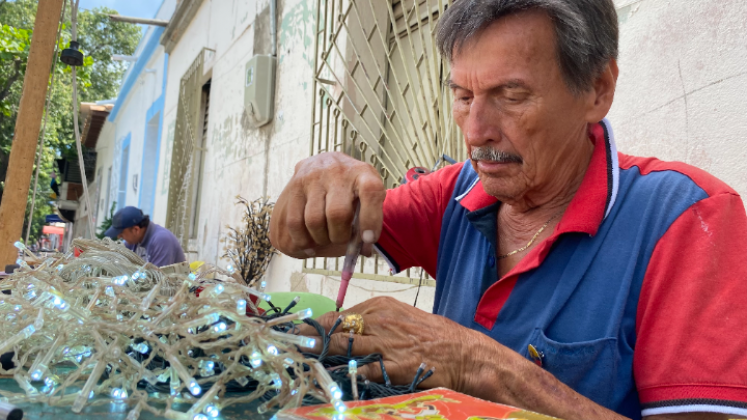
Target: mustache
<point>494,155</point>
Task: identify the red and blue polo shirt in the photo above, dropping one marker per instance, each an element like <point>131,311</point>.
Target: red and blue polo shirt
<point>636,300</point>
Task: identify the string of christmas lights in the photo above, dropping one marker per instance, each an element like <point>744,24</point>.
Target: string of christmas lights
<point>106,326</point>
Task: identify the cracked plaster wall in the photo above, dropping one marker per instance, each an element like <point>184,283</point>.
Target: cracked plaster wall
<point>682,85</point>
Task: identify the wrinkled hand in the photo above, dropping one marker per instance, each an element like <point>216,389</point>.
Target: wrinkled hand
<point>406,337</point>
<point>314,213</point>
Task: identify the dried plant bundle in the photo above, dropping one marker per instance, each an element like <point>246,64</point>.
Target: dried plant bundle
<point>248,246</point>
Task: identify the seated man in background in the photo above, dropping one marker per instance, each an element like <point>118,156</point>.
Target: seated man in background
<point>571,279</point>
<point>154,243</point>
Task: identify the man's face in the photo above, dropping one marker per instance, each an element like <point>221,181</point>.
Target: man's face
<point>510,99</point>
<point>133,235</point>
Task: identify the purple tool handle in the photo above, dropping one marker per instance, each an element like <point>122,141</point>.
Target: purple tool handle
<point>351,257</point>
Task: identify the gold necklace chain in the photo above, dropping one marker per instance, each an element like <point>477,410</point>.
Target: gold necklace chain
<point>531,241</point>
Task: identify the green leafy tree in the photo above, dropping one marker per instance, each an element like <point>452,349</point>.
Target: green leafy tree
<point>99,78</point>
<point>14,50</point>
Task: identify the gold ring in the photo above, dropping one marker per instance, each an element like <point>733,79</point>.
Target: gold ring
<point>353,322</point>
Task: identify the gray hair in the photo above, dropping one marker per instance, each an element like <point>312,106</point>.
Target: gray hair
<point>586,32</point>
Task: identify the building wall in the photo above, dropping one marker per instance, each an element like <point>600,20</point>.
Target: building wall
<point>683,78</point>
<point>104,160</point>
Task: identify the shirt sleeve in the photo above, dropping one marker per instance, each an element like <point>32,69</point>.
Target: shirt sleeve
<point>691,319</point>
<point>412,220</point>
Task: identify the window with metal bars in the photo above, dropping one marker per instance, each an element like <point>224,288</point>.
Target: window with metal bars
<point>200,158</point>
<point>379,96</point>
<point>185,158</point>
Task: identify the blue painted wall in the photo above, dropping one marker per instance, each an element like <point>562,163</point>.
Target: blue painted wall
<point>149,160</point>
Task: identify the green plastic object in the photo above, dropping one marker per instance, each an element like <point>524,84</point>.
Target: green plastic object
<point>319,304</point>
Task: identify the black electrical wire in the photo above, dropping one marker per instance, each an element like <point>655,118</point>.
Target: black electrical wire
<point>350,344</point>
<point>290,306</point>
<point>421,368</point>
<point>427,375</point>
<point>334,326</point>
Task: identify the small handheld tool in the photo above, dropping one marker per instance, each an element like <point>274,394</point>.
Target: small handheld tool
<point>351,257</point>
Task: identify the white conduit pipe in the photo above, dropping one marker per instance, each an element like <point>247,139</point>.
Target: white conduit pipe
<point>81,164</point>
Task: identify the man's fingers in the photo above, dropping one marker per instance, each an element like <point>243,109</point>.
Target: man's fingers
<point>318,344</point>
<point>340,211</point>
<point>367,249</point>
<point>296,225</point>
<point>362,345</point>
<point>372,372</point>
<point>328,320</point>
<point>340,343</point>
<point>325,320</point>
<point>315,217</point>
<point>371,193</point>
<point>307,330</point>
<point>313,214</point>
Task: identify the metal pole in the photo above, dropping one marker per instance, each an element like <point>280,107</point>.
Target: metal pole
<point>128,19</point>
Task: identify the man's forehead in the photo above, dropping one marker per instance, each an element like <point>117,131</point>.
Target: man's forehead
<point>514,52</point>
<point>524,31</point>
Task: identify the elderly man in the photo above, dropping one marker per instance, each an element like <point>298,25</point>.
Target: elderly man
<point>571,279</point>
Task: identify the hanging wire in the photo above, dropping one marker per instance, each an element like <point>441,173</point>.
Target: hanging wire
<point>40,152</point>
<point>81,164</point>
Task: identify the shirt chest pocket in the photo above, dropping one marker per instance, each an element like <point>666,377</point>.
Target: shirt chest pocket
<point>589,367</point>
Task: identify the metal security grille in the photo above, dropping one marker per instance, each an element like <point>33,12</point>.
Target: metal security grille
<point>199,157</point>
<point>380,97</point>
<point>183,174</point>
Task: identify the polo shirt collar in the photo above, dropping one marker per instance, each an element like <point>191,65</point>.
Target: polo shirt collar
<point>595,197</point>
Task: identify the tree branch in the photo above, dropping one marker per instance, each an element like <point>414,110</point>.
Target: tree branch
<point>12,79</point>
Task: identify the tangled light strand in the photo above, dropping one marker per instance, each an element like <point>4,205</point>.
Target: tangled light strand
<point>103,326</point>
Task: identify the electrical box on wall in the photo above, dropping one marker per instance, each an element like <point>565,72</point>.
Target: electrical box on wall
<point>259,89</point>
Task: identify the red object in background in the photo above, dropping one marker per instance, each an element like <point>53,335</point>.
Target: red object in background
<point>254,301</point>
<point>77,251</point>
<point>414,173</point>
<point>53,230</point>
